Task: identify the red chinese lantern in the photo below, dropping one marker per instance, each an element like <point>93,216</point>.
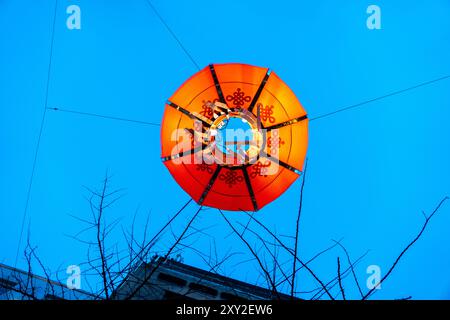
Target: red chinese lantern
<point>234,136</point>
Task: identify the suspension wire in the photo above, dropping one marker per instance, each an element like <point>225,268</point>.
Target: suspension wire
<point>379,98</point>
<point>173,34</point>
<point>30,183</point>
<point>90,114</point>
<point>311,119</point>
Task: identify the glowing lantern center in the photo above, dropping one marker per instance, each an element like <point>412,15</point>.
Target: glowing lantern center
<point>235,139</point>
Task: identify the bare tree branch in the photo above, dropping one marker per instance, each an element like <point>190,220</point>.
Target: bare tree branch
<point>427,220</point>
<point>352,269</point>
<point>145,280</point>
<point>339,278</point>
<point>294,269</point>
<point>297,258</point>
<point>274,288</point>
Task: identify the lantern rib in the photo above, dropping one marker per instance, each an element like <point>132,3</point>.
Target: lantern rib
<point>287,123</point>
<point>217,84</point>
<point>281,163</point>
<point>204,120</point>
<point>259,91</point>
<point>183,153</point>
<point>250,188</point>
<point>210,184</point>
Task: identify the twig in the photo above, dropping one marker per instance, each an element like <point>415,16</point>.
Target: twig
<point>339,278</point>
<point>427,219</point>
<point>143,283</point>
<point>296,232</point>
<point>298,259</point>
<point>274,288</point>
<point>352,269</point>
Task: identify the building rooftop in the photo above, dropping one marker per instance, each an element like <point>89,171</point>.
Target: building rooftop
<point>175,280</point>
<point>16,284</point>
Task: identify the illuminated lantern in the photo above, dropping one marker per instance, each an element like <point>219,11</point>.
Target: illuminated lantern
<point>234,137</point>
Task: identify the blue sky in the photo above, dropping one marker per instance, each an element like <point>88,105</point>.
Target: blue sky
<point>371,170</point>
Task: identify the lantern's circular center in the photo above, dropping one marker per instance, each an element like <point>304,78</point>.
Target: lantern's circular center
<point>235,138</point>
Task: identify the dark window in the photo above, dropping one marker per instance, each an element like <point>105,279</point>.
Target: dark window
<point>204,289</point>
<point>52,297</point>
<point>229,296</point>
<point>6,285</point>
<point>170,295</point>
<point>172,279</point>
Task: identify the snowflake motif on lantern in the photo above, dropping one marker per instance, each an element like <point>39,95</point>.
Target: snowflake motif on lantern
<point>205,168</point>
<point>207,111</point>
<point>239,98</point>
<point>260,169</point>
<point>231,178</point>
<point>266,112</point>
<point>275,141</point>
